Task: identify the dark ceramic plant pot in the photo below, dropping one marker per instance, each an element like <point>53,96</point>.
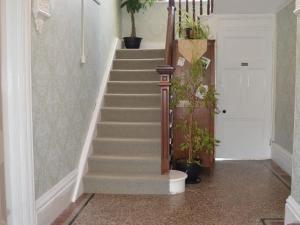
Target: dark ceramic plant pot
<point>191,169</point>
<point>189,34</point>
<point>132,42</point>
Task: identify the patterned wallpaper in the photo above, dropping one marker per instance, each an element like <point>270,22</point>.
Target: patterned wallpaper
<point>285,77</point>
<point>296,154</point>
<point>65,91</point>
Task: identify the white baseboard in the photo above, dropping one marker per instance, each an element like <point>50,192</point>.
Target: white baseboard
<point>292,211</point>
<point>282,157</point>
<point>90,134</point>
<point>56,200</point>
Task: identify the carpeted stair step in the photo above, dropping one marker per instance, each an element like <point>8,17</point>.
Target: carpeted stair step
<point>137,64</point>
<point>140,53</point>
<point>134,75</point>
<point>132,100</point>
<point>128,130</point>
<point>125,165</point>
<point>130,114</point>
<point>134,184</point>
<point>126,150</point>
<point>127,147</point>
<point>133,87</point>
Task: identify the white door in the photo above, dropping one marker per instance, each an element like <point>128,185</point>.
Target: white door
<point>244,82</point>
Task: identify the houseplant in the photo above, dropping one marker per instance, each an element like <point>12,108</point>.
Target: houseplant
<point>133,7</point>
<point>193,29</point>
<point>191,89</point>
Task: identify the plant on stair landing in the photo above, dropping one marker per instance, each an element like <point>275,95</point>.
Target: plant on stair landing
<point>191,89</point>
<point>133,7</point>
<point>193,29</point>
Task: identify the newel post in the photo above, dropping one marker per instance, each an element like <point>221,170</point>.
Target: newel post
<point>165,83</point>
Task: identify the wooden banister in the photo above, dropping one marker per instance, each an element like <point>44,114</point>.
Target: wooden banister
<point>170,36</point>
<point>165,72</point>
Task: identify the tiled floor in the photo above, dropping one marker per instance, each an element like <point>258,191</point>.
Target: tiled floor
<point>238,193</point>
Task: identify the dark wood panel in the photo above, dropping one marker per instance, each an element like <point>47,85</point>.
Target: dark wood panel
<point>204,117</point>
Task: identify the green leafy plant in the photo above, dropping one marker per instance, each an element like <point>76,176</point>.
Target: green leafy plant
<point>190,88</point>
<point>134,6</point>
<point>192,29</point>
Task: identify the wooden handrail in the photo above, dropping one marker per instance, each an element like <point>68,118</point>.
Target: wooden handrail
<point>165,72</point>
<point>170,36</point>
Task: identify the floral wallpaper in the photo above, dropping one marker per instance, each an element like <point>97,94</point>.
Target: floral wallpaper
<point>64,90</point>
<point>285,77</point>
<point>296,153</point>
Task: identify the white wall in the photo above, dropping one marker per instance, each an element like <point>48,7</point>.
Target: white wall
<point>247,7</point>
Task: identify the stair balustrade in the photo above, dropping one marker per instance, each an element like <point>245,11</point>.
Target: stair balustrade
<point>168,69</point>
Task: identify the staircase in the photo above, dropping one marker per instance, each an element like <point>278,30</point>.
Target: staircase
<point>126,156</point>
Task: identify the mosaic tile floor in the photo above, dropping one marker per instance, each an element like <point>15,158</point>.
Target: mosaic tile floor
<point>237,193</point>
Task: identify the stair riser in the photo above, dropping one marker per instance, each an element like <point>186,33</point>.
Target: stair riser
<point>125,167</point>
<point>119,115</point>
<point>122,88</point>
<point>134,76</point>
<point>132,101</point>
<point>136,64</point>
<point>127,148</point>
<point>141,54</point>
<point>128,186</point>
<point>128,131</point>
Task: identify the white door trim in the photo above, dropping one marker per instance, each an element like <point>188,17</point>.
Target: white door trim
<point>17,111</point>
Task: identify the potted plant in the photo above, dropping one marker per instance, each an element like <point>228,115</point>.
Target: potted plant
<point>196,140</point>
<point>133,7</point>
<point>193,42</point>
<point>193,29</point>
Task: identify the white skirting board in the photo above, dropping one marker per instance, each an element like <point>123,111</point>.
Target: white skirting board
<point>282,157</point>
<point>90,134</point>
<point>56,200</point>
<point>292,211</point>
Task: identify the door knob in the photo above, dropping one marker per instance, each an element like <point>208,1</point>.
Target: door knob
<point>224,111</point>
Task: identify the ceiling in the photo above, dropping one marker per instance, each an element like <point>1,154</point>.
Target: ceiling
<point>248,6</point>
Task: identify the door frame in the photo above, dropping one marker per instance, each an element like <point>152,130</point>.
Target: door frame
<point>262,20</point>
<point>17,111</point>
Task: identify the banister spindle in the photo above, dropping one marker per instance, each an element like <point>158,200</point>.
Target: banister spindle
<point>212,6</point>
<point>165,82</point>
<point>194,10</point>
<point>180,19</point>
<point>201,7</point>
<point>186,6</point>
<point>208,7</point>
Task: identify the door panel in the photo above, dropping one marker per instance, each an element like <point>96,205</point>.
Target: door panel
<point>244,84</point>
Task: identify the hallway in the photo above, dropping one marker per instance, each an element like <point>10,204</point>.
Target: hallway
<point>239,192</point>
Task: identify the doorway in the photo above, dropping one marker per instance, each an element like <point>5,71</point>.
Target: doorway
<point>244,82</point>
